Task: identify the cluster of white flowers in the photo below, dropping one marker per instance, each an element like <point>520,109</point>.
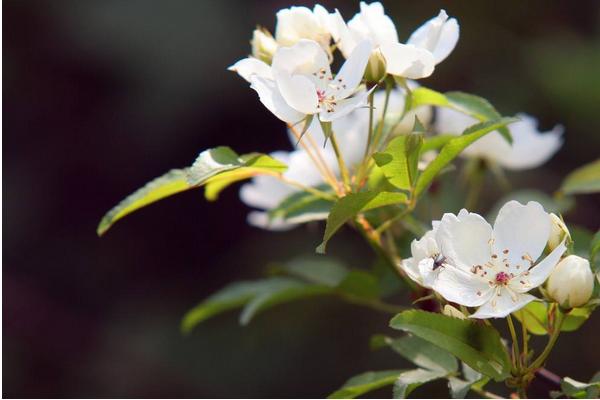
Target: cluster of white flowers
<point>469,262</point>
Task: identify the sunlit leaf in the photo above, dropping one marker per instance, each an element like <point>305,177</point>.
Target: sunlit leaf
<point>454,147</point>
<point>535,317</point>
<point>352,204</point>
<point>217,168</point>
<point>478,346</point>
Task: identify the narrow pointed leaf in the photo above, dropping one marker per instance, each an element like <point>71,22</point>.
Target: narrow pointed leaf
<point>454,147</point>
<point>320,270</point>
<point>352,204</point>
<point>423,353</point>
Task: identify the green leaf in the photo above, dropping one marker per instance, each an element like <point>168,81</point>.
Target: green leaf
<point>256,295</point>
<point>454,147</point>
<point>410,380</point>
<point>280,292</point>
<point>217,168</point>
<point>172,182</point>
<point>436,142</point>
<point>301,207</point>
<point>352,204</point>
<point>364,383</point>
<point>414,142</point>
<point>594,249</point>
<point>580,390</point>
<point>394,164</point>
<point>248,166</point>
<point>360,284</point>
<point>230,297</point>
<point>470,104</point>
<point>458,387</point>
<point>535,317</point>
<point>423,353</point>
<point>319,270</point>
<point>585,179</point>
<point>478,346</point>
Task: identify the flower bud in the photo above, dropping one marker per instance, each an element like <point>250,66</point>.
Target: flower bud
<point>454,312</point>
<point>263,45</point>
<point>572,282</point>
<point>375,70</point>
<point>558,232</point>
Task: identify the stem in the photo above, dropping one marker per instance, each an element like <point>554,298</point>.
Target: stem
<point>318,193</point>
<point>341,163</point>
<point>560,317</point>
<point>515,345</point>
<point>522,392</point>
<point>324,170</point>
<point>388,89</point>
<point>485,393</point>
<point>525,336</point>
<point>370,136</point>
<point>474,174</point>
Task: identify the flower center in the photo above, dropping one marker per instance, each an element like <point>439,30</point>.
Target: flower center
<point>326,102</point>
<point>502,278</point>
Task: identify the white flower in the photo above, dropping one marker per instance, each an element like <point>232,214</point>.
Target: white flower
<point>530,147</point>
<point>296,23</point>
<point>427,46</point>
<point>299,82</point>
<point>494,268</point>
<point>572,282</point>
<point>426,261</point>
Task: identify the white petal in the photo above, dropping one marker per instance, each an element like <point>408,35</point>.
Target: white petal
<point>501,306</point>
<point>372,23</point>
<point>261,220</point>
<point>351,73</point>
<point>342,36</point>
<point>538,274</point>
<point>296,23</point>
<point>411,269</point>
<point>407,61</point>
<point>462,287</point>
<point>344,107</point>
<point>251,66</point>
<point>464,239</point>
<point>531,148</point>
<point>425,247</point>
<point>439,35</point>
<point>428,274</point>
<point>304,57</point>
<point>299,92</point>
<point>520,234</point>
<point>271,98</point>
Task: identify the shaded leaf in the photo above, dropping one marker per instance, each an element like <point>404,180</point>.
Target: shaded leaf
<point>454,147</point>
<point>585,179</point>
<point>360,284</point>
<point>423,353</point>
<point>410,380</point>
<point>352,204</point>
<point>301,207</point>
<point>320,270</point>
<point>476,345</point>
<point>365,382</point>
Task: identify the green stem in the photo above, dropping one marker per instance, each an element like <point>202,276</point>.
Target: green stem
<point>560,317</point>
<point>341,163</point>
<point>485,393</point>
<point>318,193</point>
<point>389,85</point>
<point>525,336</point>
<point>515,345</point>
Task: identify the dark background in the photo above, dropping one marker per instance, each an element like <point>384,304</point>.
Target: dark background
<point>101,96</point>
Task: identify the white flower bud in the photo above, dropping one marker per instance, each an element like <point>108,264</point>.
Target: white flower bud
<point>263,45</point>
<point>376,68</point>
<point>454,312</point>
<point>572,282</point>
<point>558,232</point>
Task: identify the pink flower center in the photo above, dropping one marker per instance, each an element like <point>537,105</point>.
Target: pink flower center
<point>502,278</point>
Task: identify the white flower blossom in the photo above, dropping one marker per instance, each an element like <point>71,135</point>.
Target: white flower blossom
<point>494,268</point>
<point>263,45</point>
<point>572,282</point>
<point>297,23</point>
<point>530,148</point>
<point>427,46</point>
<point>299,82</point>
